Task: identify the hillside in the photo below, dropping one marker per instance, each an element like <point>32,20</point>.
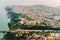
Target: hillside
<point>50,15</point>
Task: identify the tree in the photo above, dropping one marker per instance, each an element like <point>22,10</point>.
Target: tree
<point>8,9</point>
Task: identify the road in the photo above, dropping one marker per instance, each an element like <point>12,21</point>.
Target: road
<point>19,30</point>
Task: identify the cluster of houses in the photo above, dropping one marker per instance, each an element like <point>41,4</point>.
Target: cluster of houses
<point>38,36</point>
<point>38,22</point>
<point>31,22</point>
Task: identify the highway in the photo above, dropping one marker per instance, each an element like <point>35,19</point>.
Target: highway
<point>19,30</point>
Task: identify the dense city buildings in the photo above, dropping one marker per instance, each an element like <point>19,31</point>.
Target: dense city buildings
<point>27,21</point>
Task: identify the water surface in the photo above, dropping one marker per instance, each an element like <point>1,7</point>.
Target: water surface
<point>3,21</point>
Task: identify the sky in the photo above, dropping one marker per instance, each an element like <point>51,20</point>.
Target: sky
<point>52,3</point>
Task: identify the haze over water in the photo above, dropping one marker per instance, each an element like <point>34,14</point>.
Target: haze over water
<point>3,20</point>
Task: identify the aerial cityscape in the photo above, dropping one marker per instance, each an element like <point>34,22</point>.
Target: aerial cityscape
<point>37,22</point>
<point>30,20</point>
